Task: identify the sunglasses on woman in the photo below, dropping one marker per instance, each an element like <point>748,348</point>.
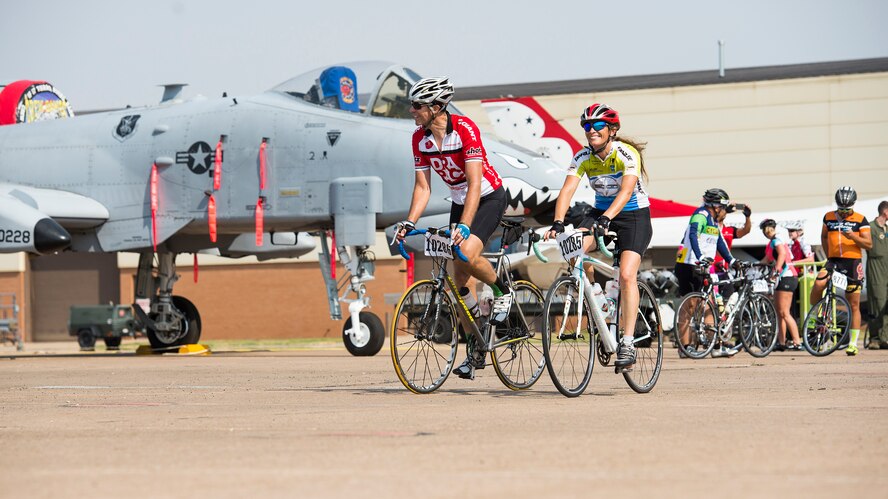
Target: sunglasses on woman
<point>598,126</point>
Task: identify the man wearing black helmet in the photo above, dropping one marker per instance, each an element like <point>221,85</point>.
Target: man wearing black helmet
<point>702,240</point>
<point>844,235</point>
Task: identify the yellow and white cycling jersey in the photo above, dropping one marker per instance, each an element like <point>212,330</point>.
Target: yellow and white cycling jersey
<point>606,176</point>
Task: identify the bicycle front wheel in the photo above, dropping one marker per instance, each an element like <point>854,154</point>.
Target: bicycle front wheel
<point>826,325</point>
<point>517,353</point>
<point>758,326</point>
<point>648,343</point>
<point>568,338</point>
<point>696,325</point>
<point>423,337</point>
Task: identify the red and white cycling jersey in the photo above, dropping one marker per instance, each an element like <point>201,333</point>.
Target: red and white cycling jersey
<point>462,143</point>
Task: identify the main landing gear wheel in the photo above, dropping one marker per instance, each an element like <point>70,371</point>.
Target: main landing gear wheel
<point>189,331</point>
<point>368,338</point>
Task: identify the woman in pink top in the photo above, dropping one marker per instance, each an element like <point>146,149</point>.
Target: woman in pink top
<point>787,281</point>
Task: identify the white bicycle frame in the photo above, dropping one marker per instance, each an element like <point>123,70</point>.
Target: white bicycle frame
<point>606,333</point>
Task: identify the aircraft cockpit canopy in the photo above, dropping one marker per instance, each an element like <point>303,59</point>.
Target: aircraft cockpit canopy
<point>376,88</point>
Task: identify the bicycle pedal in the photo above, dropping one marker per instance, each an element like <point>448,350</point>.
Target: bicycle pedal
<point>621,370</point>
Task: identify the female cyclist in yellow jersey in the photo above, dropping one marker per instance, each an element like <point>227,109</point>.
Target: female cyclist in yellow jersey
<point>616,172</point>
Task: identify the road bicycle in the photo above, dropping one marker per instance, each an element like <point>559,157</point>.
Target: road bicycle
<point>701,322</point>
<point>576,330</point>
<point>826,325</point>
<point>424,337</point>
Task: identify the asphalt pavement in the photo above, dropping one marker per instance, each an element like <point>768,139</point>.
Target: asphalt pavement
<point>316,422</point>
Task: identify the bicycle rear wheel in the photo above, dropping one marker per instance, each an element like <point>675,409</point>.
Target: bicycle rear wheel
<point>648,343</point>
<point>826,325</point>
<point>423,337</point>
<point>568,348</point>
<point>517,355</point>
<point>696,325</point>
<point>758,326</point>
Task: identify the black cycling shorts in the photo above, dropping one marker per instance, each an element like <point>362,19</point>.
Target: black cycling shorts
<point>633,228</point>
<point>487,217</point>
<point>852,268</point>
<point>689,280</point>
<point>789,284</point>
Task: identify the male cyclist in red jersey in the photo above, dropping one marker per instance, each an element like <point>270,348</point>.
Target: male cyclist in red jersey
<point>844,235</point>
<point>451,145</point>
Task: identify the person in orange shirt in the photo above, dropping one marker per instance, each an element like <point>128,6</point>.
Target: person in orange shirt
<point>844,236</point>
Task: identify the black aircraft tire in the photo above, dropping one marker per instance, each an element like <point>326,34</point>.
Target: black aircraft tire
<point>192,317</point>
<point>377,336</point>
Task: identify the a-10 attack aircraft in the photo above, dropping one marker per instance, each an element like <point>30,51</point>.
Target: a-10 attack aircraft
<point>238,176</point>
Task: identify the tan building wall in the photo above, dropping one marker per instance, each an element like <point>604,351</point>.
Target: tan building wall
<point>276,300</point>
<point>777,145</point>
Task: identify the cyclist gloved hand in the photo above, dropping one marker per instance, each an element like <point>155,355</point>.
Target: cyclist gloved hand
<point>736,264</point>
<point>602,225</point>
<point>403,228</point>
<point>460,233</point>
<point>557,228</point>
<point>706,261</point>
<point>747,212</point>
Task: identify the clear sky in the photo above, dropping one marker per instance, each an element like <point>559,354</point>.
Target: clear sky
<point>109,53</point>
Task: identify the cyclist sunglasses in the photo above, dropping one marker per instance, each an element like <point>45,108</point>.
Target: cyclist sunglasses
<point>418,105</point>
<point>594,125</point>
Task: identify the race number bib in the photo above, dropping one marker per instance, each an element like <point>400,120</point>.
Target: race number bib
<point>759,286</point>
<point>839,280</point>
<point>570,243</point>
<point>438,246</point>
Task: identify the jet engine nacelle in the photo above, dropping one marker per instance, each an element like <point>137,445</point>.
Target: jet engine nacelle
<point>23,228</point>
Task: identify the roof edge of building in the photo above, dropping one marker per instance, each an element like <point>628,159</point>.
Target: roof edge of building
<point>691,78</point>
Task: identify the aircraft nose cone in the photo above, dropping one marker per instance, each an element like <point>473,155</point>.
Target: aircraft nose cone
<point>49,236</point>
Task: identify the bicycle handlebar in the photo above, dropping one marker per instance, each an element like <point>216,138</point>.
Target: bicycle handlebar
<point>456,250</point>
<point>533,238</point>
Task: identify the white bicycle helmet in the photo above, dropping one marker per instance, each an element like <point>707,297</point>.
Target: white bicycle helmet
<point>432,91</point>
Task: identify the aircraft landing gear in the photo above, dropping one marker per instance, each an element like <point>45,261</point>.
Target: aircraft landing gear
<point>364,336</point>
<point>173,320</point>
<point>367,338</point>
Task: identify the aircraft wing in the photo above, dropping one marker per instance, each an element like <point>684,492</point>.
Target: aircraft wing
<point>37,220</point>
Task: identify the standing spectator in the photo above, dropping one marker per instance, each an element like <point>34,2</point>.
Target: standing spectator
<point>786,276</point>
<point>801,253</point>
<point>729,233</point>
<point>877,279</point>
<point>801,250</point>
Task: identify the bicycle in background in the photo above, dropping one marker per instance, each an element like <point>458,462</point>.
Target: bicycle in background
<point>826,325</point>
<point>576,331</point>
<point>701,322</point>
<point>424,337</point>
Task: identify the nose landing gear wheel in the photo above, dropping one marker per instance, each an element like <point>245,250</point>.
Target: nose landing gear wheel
<point>368,338</point>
